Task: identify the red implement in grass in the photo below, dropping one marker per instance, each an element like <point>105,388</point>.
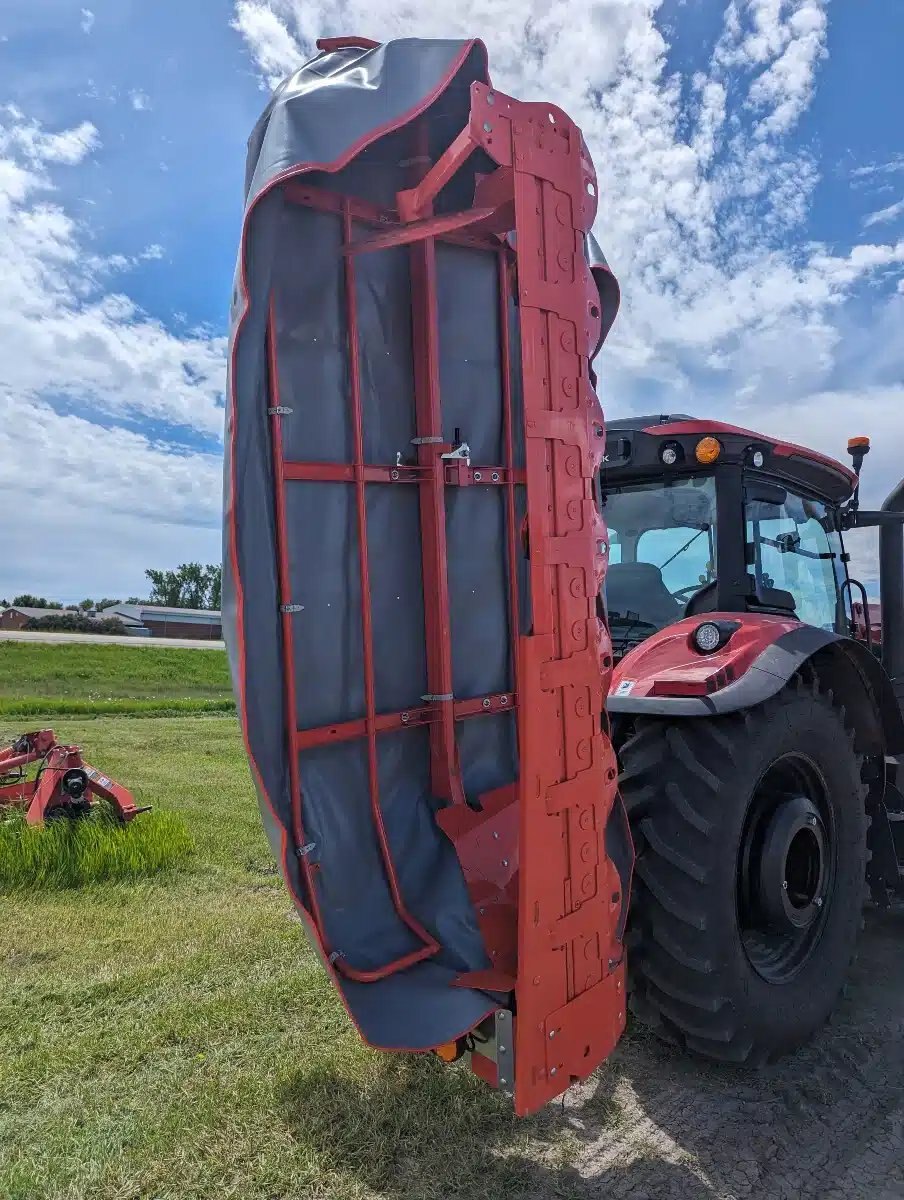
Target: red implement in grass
<point>64,784</point>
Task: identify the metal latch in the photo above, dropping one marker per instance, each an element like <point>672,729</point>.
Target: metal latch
<point>461,451</point>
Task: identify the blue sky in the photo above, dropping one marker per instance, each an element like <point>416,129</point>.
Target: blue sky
<point>751,159</point>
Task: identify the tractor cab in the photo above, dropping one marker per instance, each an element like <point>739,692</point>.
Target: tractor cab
<point>707,517</point>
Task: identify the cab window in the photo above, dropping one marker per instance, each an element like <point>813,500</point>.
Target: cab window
<point>661,551</point>
<point>795,548</point>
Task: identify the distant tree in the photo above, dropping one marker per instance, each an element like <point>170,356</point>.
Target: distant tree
<point>215,575</point>
<point>191,585</point>
<point>86,605</point>
<point>134,600</point>
<point>106,602</point>
<point>4,604</point>
<point>27,600</point>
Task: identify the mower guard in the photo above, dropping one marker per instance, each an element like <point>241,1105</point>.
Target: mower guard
<point>413,556</point>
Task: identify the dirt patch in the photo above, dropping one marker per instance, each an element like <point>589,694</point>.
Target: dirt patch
<point>827,1123</point>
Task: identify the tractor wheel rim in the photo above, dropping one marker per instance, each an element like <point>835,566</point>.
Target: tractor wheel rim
<point>786,868</point>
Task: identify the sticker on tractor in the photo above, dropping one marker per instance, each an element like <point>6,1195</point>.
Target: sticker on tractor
<point>625,688</point>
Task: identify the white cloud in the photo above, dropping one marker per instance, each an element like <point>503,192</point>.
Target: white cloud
<point>28,140</point>
<point>884,215</point>
<point>891,167</point>
<point>87,21</point>
<point>82,369</point>
<point>275,50</point>
<point>139,100</point>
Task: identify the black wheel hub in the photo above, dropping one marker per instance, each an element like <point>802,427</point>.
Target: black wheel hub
<point>786,868</point>
<point>792,877</point>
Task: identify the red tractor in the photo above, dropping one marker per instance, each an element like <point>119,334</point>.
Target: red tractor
<point>415,589</point>
<point>757,724</point>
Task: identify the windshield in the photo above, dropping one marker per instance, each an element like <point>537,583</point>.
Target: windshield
<point>661,552</point>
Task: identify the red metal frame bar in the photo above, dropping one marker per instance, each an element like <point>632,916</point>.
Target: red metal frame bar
<point>319,472</point>
<point>404,235</point>
<point>513,475</point>
<point>386,219</point>
<point>445,776</point>
<point>430,944</point>
<point>417,202</point>
<point>343,731</point>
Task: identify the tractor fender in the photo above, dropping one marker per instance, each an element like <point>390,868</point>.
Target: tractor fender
<point>666,676</point>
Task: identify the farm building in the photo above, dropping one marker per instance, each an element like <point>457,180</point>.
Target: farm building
<point>153,620</point>
<point>18,616</point>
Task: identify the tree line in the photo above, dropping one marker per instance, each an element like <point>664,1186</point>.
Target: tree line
<point>190,585</point>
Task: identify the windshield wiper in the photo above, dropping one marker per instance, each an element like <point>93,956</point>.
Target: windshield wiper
<point>682,549</point>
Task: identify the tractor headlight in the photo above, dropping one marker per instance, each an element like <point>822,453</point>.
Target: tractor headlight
<point>707,637</point>
<point>669,454</point>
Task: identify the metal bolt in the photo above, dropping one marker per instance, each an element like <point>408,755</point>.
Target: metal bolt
<point>784,885</point>
<point>505,862</point>
<point>503,699</point>
<point>503,1081</point>
<point>487,127</point>
<point>491,99</point>
<point>552,1070</point>
<point>812,820</point>
<point>405,718</point>
<point>501,1015</point>
<point>819,902</point>
<point>502,1049</point>
<point>496,837</point>
<point>482,911</point>
<point>486,703</point>
<point>393,474</point>
<point>495,477</point>
<point>477,476</point>
<point>552,1033</point>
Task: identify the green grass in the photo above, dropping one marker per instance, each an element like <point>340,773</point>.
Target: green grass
<point>173,1038</point>
<point>84,679</point>
<point>70,854</point>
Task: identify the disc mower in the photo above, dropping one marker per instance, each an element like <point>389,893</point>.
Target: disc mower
<point>63,784</point>
<point>427,618</point>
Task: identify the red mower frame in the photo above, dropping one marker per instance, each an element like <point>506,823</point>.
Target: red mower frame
<point>64,781</point>
<point>550,902</point>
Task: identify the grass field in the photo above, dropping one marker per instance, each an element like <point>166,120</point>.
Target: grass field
<point>84,680</point>
<point>174,1039</point>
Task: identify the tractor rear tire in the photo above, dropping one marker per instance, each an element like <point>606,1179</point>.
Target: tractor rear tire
<point>713,961</point>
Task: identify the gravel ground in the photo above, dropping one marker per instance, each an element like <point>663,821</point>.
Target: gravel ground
<point>827,1123</point>
<point>26,635</point>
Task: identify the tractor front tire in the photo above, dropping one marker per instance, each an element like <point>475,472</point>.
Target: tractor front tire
<point>750,835</point>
